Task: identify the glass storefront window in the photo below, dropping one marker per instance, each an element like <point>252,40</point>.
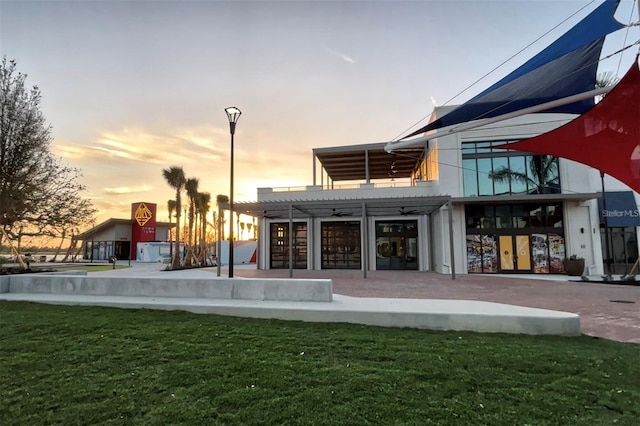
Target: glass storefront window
<point>482,254</point>
<point>531,234</point>
<point>623,249</point>
<point>280,245</point>
<point>503,217</point>
<point>341,245</point>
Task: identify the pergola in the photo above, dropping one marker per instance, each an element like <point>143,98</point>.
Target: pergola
<point>366,162</point>
<point>292,209</point>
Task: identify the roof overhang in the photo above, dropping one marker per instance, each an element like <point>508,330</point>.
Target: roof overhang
<point>526,198</point>
<point>89,233</point>
<point>368,162</point>
<point>393,206</point>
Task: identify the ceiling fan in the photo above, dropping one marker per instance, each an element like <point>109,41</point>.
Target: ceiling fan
<point>268,216</point>
<point>404,212</point>
<point>340,214</point>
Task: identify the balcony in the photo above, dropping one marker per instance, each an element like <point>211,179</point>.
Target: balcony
<point>354,191</point>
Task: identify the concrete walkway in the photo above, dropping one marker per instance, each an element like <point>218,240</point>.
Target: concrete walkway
<point>610,311</point>
<point>607,311</point>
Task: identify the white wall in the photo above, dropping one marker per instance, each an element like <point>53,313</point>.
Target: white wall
<point>580,218</point>
<point>118,232</point>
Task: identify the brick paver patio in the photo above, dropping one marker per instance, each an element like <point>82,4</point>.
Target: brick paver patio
<point>609,311</point>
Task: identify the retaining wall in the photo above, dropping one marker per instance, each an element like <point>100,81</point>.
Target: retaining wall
<point>300,290</point>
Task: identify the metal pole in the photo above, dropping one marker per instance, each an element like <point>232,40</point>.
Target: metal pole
<point>365,241</point>
<point>452,250</point>
<point>314,169</point>
<point>366,166</point>
<point>291,241</point>
<point>218,242</point>
<point>233,128</point>
<point>606,229</point>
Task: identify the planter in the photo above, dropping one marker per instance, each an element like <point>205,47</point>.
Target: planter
<point>574,267</point>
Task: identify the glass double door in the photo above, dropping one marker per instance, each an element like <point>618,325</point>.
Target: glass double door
<point>397,245</point>
<point>515,253</point>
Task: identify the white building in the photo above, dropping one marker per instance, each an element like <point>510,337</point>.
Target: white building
<point>437,208</point>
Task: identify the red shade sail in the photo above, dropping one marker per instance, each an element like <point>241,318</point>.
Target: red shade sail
<point>607,137</point>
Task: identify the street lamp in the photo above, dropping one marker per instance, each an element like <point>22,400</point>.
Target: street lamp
<point>233,114</point>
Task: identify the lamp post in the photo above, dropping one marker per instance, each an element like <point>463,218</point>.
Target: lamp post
<point>233,114</point>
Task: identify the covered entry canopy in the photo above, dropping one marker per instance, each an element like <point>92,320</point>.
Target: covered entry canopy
<point>388,206</point>
<point>367,161</point>
<point>292,209</point>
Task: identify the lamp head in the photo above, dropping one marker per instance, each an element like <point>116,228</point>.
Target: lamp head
<point>233,114</point>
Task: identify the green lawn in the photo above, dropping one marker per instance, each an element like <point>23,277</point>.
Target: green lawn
<point>90,365</point>
<point>90,267</point>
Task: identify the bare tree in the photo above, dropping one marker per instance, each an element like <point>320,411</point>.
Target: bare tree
<point>38,194</point>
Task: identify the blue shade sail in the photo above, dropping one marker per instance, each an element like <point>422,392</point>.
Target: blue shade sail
<point>565,68</point>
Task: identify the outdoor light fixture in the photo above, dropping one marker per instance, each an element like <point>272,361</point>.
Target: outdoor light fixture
<point>233,114</point>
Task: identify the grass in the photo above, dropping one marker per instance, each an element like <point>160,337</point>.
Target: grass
<point>91,365</point>
<point>91,268</point>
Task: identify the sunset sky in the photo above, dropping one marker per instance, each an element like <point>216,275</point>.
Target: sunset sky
<point>132,87</point>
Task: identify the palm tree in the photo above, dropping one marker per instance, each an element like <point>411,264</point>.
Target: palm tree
<point>174,176</point>
<point>191,186</point>
<point>221,199</point>
<point>171,207</point>
<point>255,228</point>
<point>204,205</point>
<point>541,179</point>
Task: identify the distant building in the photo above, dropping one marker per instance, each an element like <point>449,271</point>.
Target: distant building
<point>119,237</point>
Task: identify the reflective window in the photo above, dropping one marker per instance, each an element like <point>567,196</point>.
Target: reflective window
<point>501,186</point>
<point>514,216</point>
<point>485,183</point>
<point>623,249</point>
<point>489,171</point>
<point>516,164</point>
<point>503,217</point>
<point>470,177</point>
<point>483,147</point>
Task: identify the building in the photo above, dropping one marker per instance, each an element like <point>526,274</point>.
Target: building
<point>119,237</point>
<point>440,207</point>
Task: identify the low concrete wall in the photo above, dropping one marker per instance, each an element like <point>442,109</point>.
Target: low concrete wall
<point>5,279</point>
<point>300,290</point>
<point>484,317</point>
